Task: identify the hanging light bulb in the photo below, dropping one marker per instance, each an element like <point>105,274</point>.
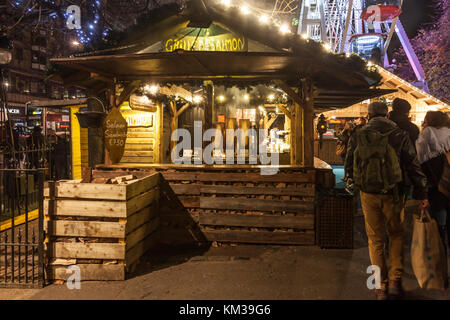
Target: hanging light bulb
<point>271,97</point>
<point>327,46</point>
<point>263,19</point>
<point>246,97</point>
<point>221,98</point>
<point>226,3</point>
<point>197,99</point>
<point>152,89</point>
<point>261,108</point>
<point>284,29</point>
<point>245,10</point>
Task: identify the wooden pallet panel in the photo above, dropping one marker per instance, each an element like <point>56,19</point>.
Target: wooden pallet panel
<point>133,254</point>
<point>185,189</point>
<point>139,218</point>
<point>90,191</point>
<point>239,177</point>
<point>85,208</point>
<point>79,250</point>
<point>97,208</point>
<point>141,233</point>
<point>255,204</point>
<point>89,272</point>
<point>98,229</point>
<point>267,221</point>
<point>142,185</point>
<point>308,191</point>
<point>141,201</point>
<point>256,177</point>
<point>104,191</point>
<point>268,237</point>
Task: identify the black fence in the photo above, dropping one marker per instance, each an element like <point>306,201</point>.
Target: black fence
<point>21,218</point>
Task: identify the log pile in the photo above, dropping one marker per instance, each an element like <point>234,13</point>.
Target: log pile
<point>103,226</point>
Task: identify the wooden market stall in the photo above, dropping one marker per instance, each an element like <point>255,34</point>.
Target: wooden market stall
<point>204,63</point>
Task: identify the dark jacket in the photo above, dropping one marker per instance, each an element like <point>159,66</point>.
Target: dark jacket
<point>406,153</point>
<point>403,123</point>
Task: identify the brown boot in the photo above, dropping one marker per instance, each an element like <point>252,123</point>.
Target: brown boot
<point>396,289</point>
<point>382,293</point>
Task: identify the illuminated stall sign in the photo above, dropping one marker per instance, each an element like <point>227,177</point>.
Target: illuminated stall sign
<point>138,118</point>
<point>225,42</point>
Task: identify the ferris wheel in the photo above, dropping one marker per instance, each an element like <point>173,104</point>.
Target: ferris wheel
<point>365,27</point>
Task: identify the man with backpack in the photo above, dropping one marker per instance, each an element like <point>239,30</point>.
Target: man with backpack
<point>379,157</point>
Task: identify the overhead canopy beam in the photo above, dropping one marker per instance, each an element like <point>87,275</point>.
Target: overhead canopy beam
<point>127,91</point>
<point>288,90</point>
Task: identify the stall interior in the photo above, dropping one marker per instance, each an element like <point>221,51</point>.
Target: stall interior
<point>256,110</point>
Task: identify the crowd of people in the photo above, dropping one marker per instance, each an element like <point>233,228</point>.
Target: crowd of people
<point>388,159</point>
<point>36,151</point>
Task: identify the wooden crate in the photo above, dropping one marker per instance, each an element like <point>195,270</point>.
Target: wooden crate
<point>102,228</point>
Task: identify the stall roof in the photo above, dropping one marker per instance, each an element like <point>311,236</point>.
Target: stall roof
<point>341,81</point>
<point>338,90</point>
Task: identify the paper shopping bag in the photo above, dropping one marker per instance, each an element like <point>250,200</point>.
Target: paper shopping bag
<point>427,253</point>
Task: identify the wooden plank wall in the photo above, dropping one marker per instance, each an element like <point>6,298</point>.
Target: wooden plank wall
<point>141,137</point>
<point>242,206</point>
<point>102,228</point>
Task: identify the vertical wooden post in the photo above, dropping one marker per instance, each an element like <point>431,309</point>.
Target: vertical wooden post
<point>173,122</point>
<point>308,122</point>
<point>210,112</point>
<point>159,154</point>
<point>293,134</point>
<point>297,141</point>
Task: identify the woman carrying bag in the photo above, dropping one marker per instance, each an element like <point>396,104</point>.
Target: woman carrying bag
<point>432,146</point>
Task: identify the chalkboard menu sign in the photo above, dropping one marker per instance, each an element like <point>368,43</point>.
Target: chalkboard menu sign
<point>115,127</point>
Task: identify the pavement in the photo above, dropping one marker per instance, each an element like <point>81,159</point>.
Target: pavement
<point>241,272</point>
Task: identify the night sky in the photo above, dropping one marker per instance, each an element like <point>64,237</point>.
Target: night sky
<point>415,13</point>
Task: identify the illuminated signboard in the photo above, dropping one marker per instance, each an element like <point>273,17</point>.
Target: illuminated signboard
<point>138,118</point>
<point>14,111</point>
<point>206,41</point>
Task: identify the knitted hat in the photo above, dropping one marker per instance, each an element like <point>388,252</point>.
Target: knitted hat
<point>400,105</point>
<point>378,109</point>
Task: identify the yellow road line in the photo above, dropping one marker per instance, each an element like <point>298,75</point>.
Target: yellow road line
<point>32,215</point>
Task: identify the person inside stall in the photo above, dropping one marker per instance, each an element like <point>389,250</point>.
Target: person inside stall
<point>60,157</point>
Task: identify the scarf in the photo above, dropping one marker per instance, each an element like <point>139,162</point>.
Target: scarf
<point>432,142</point>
